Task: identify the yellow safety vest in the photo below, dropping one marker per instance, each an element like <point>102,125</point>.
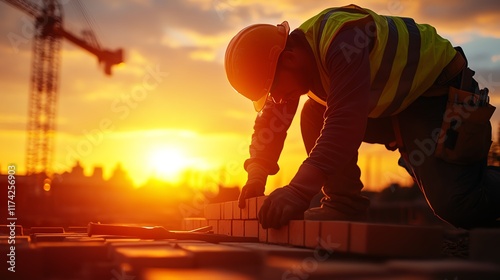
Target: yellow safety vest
<point>405,60</point>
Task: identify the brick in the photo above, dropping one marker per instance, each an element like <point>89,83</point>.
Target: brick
<point>335,236</point>
<point>251,228</point>
<point>296,233</point>
<point>262,234</point>
<point>161,274</point>
<point>144,257</point>
<point>54,237</point>
<point>203,222</point>
<point>213,211</point>
<point>208,255</point>
<point>224,227</point>
<point>238,228</point>
<point>193,223</point>
<point>7,229</point>
<point>278,236</point>
<point>311,234</point>
<point>260,202</point>
<point>62,259</point>
<point>77,229</point>
<point>252,208</point>
<point>34,230</point>
<point>484,245</point>
<point>236,211</point>
<point>244,211</point>
<point>395,240</point>
<point>215,225</point>
<point>113,245</point>
<point>227,213</point>
<point>187,224</point>
<point>21,241</point>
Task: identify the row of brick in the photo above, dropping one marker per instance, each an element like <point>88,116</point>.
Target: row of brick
<point>230,210</point>
<point>83,257</point>
<point>339,236</point>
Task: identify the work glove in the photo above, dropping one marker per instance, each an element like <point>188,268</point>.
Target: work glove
<point>255,185</point>
<point>290,202</point>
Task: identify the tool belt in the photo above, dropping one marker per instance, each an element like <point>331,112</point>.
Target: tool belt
<point>465,133</point>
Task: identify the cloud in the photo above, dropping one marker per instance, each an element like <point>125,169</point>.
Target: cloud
<point>480,16</point>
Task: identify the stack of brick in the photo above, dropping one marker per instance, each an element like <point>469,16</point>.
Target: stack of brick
<point>385,240</point>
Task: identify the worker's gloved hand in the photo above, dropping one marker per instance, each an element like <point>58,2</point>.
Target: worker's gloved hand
<point>255,185</point>
<point>290,202</point>
<point>281,206</point>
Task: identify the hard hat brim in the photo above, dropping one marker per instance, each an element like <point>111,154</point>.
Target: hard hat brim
<point>284,28</point>
<point>259,104</point>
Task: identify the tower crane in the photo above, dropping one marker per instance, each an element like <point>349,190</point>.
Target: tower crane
<point>49,32</point>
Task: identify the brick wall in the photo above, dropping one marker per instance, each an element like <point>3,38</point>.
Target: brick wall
<point>337,236</point>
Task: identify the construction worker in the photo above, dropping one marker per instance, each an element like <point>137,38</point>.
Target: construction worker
<point>378,79</point>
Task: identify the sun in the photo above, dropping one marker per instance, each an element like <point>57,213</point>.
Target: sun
<point>168,163</point>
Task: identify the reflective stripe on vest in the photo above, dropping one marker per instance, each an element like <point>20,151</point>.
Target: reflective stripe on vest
<point>405,60</point>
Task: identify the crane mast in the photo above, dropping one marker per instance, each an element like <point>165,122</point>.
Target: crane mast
<point>44,87</point>
<point>47,40</point>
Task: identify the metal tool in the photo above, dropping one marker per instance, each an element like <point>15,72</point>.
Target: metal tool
<point>158,232</point>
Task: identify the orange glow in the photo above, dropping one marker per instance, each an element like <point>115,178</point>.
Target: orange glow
<point>169,162</point>
<point>46,187</point>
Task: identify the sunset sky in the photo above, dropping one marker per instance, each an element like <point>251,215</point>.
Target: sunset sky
<point>188,116</point>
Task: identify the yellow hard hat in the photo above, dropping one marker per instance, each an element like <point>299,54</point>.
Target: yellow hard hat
<point>251,59</point>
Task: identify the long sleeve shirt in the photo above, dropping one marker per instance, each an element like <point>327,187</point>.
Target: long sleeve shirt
<point>345,118</point>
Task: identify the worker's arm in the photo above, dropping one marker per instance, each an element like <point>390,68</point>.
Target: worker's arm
<point>270,131</point>
<point>347,110</point>
<point>344,127</point>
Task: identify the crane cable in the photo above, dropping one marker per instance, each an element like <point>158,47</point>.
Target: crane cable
<point>91,24</point>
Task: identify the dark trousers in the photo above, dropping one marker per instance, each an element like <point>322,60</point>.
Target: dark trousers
<point>463,195</point>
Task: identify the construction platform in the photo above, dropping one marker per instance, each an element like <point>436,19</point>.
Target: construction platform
<point>302,250</point>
